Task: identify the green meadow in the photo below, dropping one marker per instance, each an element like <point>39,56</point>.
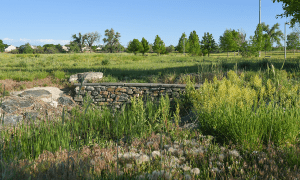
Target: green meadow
<point>247,111</point>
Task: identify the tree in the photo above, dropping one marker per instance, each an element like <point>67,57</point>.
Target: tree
<point>258,39</point>
<point>2,46</point>
<point>293,41</point>
<point>227,42</point>
<point>208,44</point>
<point>267,43</point>
<point>80,40</point>
<point>25,49</point>
<point>111,40</point>
<point>158,46</point>
<point>236,37</point>
<point>291,8</point>
<point>274,35</point>
<point>91,38</point>
<point>73,47</point>
<point>194,46</point>
<point>239,38</point>
<point>135,46</point>
<point>145,45</point>
<point>38,50</point>
<point>183,44</point>
<point>170,49</point>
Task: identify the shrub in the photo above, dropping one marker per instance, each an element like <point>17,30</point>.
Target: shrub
<point>59,74</point>
<point>236,110</point>
<point>105,62</point>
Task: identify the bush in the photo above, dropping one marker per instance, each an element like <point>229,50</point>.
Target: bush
<point>15,51</point>
<point>238,110</point>
<point>105,62</point>
<point>59,74</point>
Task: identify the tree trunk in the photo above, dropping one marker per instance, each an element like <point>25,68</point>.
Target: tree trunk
<point>238,52</point>
<point>294,51</point>
<point>227,54</point>
<point>259,54</point>
<point>208,54</point>
<point>234,53</point>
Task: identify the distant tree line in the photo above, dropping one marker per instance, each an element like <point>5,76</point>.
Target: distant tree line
<point>45,49</point>
<point>230,41</point>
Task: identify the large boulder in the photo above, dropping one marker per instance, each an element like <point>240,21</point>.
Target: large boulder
<point>32,105</point>
<point>85,76</point>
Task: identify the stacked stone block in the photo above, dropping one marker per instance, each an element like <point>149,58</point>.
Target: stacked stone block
<point>116,94</point>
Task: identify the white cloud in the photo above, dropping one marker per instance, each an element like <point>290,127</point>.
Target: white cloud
<point>52,41</point>
<point>7,39</point>
<point>25,40</point>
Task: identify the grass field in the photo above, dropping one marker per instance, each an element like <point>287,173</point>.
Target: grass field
<point>247,110</point>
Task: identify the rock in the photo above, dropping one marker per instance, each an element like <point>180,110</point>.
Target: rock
<point>32,106</point>
<point>86,76</point>
<point>65,101</point>
<point>36,93</point>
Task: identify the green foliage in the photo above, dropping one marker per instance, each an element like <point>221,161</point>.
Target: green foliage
<point>50,50</point>
<point>145,45</point>
<point>38,50</point>
<point>105,62</point>
<point>293,40</point>
<point>111,40</point>
<point>59,74</point>
<point>258,38</point>
<point>227,42</point>
<point>237,109</point>
<point>135,46</point>
<point>2,46</point>
<point>79,40</point>
<point>208,44</point>
<point>183,44</point>
<point>91,38</point>
<point>194,46</point>
<point>170,49</point>
<point>73,47</point>
<point>159,46</point>
<point>275,36</point>
<point>267,43</point>
<point>14,51</point>
<point>291,9</point>
<point>25,49</point>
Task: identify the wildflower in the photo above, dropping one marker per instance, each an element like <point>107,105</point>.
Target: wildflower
<point>195,171</point>
<point>234,153</point>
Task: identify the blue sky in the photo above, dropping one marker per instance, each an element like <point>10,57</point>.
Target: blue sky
<point>51,22</point>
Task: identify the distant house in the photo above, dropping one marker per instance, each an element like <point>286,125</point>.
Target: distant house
<point>65,48</point>
<point>33,47</point>
<point>10,48</point>
<point>85,49</point>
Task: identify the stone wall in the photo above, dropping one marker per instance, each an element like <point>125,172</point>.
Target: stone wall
<point>116,94</point>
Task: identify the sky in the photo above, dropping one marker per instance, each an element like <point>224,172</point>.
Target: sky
<point>42,22</point>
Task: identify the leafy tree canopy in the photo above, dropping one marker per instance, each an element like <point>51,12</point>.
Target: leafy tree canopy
<point>80,40</point>
<point>227,41</point>
<point>194,46</point>
<point>111,40</point>
<point>158,46</point>
<point>2,46</point>
<point>135,46</point>
<point>183,45</point>
<point>291,8</point>
<point>208,44</point>
<point>145,45</point>
<point>293,40</point>
<point>25,49</point>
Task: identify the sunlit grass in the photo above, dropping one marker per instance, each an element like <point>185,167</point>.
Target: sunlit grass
<point>249,116</point>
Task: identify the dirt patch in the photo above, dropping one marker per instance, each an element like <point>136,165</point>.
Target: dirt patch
<point>12,85</point>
